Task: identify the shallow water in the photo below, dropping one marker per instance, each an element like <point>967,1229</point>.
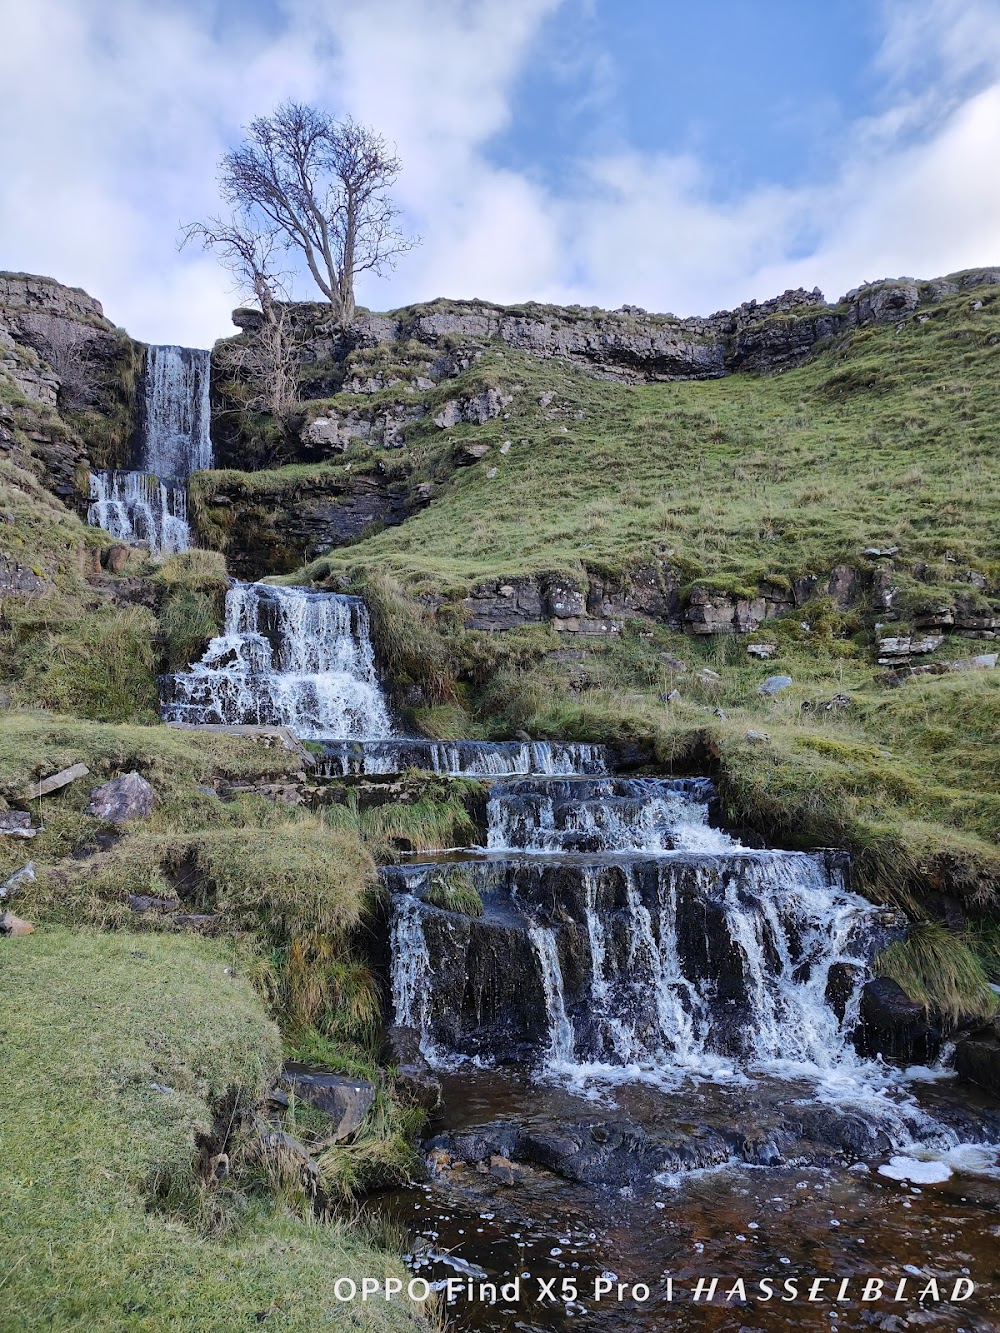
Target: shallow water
<point>792,1223</point>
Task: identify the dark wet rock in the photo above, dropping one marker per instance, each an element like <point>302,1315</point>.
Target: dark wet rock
<point>977,1057</point>
<point>345,1100</point>
<point>412,1068</point>
<point>846,1132</point>
<point>891,1024</point>
<point>126,797</point>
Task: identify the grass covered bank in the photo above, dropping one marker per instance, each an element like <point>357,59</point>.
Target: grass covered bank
<point>116,1049</point>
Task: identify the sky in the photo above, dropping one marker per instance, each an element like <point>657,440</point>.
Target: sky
<point>680,157</point>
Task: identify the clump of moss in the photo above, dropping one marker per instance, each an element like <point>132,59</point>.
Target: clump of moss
<point>454,891</point>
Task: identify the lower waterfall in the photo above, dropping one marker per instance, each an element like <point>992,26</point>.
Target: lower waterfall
<point>138,508</point>
<point>287,657</point>
<point>625,939</point>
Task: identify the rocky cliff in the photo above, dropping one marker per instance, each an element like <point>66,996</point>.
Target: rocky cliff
<point>67,382</point>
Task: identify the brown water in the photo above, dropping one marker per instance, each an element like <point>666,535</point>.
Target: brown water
<point>788,1223</point>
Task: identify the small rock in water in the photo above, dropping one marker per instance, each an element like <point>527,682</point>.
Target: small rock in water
<point>774,685</point>
<point>912,1169</point>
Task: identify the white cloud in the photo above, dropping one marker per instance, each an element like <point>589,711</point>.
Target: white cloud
<point>121,112</point>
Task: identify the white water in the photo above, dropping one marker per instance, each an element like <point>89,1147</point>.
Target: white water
<point>148,506</point>
<point>137,508</point>
<point>177,411</point>
<point>287,657</point>
<point>462,758</point>
<point>614,814</point>
<point>411,973</point>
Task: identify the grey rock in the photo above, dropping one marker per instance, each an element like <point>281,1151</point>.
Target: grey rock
<point>880,552</point>
<point>757,736</point>
<point>26,875</point>
<point>14,821</point>
<point>345,1100</point>
<point>774,685</point>
<point>762,651</point>
<point>58,780</point>
<point>126,797</point>
<point>982,662</point>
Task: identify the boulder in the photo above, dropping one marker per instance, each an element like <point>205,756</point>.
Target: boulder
<point>774,685</point>
<point>345,1100</point>
<point>26,875</point>
<point>126,797</point>
<point>982,662</point>
<point>412,1069</point>
<point>892,1024</point>
<point>762,651</point>
<point>977,1057</point>
<point>16,824</point>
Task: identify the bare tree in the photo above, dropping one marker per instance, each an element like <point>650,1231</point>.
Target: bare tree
<point>250,254</point>
<point>320,186</point>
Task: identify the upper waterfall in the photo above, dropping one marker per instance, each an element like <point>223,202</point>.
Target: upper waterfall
<point>290,657</point>
<point>148,505</point>
<point>176,412</point>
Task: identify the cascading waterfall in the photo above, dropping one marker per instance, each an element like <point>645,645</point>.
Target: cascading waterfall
<point>287,657</point>
<point>471,759</point>
<point>625,939</point>
<point>177,411</point>
<point>138,507</point>
<point>148,506</point>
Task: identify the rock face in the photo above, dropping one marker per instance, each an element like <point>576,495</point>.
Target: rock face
<point>894,1025</point>
<point>629,343</point>
<point>123,798</point>
<point>276,531</point>
<point>60,352</point>
<point>977,1057</point>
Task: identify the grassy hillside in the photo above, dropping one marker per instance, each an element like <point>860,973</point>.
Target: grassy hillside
<point>118,1051</point>
<point>882,438</point>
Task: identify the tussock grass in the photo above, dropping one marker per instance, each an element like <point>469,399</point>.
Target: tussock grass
<point>941,970</point>
<point>409,649</point>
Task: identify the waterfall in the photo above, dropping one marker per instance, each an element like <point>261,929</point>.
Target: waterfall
<point>601,814</point>
<point>287,657</point>
<point>137,507</point>
<point>176,411</point>
<point>148,507</point>
<point>470,759</point>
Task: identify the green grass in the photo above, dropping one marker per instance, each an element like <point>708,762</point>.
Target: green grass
<point>116,1049</point>
<point>454,891</point>
<point>738,479</point>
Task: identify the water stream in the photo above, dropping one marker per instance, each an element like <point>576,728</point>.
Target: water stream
<point>645,1043</point>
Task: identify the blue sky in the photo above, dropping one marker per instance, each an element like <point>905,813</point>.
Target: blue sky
<point>678,156</point>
